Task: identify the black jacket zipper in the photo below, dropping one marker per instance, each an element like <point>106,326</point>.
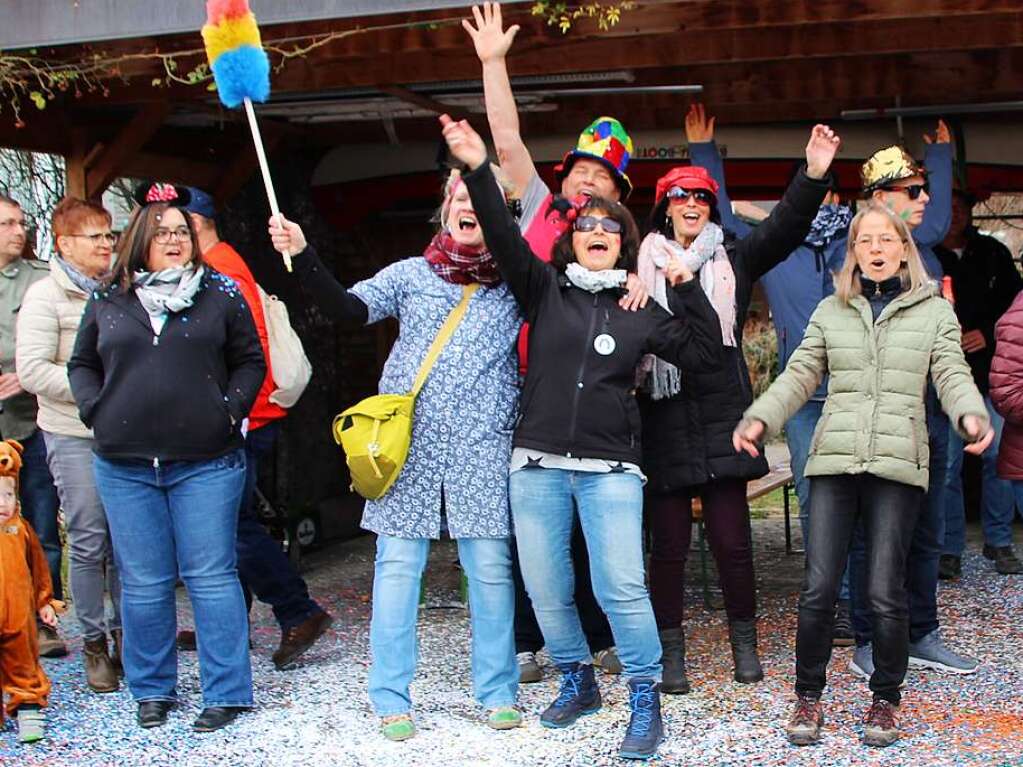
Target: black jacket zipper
<point>582,371</point>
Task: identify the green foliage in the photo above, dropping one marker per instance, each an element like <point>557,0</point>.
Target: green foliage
<point>562,15</point>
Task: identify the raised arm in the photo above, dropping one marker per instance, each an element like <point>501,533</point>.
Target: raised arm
<point>938,212</point>
<point>333,298</point>
<point>703,151</point>
<point>784,230</point>
<point>492,44</point>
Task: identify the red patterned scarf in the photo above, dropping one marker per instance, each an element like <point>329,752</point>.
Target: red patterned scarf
<point>460,264</point>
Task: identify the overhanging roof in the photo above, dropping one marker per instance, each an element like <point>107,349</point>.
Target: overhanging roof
<point>38,23</point>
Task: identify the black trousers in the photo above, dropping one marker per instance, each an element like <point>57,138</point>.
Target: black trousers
<point>888,513</point>
<point>528,637</point>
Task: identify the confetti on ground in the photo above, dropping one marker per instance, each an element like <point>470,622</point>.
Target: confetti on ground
<point>318,713</point>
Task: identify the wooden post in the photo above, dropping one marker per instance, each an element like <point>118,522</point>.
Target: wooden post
<point>74,165</point>
<point>110,160</point>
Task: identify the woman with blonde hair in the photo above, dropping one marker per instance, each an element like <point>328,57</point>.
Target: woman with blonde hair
<point>879,337</point>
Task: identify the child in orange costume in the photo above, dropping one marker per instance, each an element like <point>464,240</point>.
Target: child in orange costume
<point>25,589</point>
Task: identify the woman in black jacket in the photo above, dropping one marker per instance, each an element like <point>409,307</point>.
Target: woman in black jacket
<point>688,419</point>
<point>578,435</point>
<point>166,366</point>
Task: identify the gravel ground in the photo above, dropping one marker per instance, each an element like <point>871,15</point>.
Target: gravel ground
<point>318,712</point>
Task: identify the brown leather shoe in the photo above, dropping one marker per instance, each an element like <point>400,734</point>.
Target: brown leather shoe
<point>99,670</point>
<point>50,644</point>
<point>116,650</point>
<point>300,638</point>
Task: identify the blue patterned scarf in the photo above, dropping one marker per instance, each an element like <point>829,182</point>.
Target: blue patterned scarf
<point>830,220</point>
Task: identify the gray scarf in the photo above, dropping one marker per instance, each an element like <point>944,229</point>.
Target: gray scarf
<point>594,282</point>
<point>79,280</point>
<point>169,290</point>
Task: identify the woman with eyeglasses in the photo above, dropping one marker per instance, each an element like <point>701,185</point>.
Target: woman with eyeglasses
<point>166,365</point>
<point>47,325</point>
<point>688,417</point>
<point>577,441</point>
<point>879,338</point>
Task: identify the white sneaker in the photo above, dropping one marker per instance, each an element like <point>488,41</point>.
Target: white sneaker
<point>529,668</point>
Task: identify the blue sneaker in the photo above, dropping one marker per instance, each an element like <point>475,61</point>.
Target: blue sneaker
<point>579,696</point>
<point>932,652</point>
<point>645,730</point>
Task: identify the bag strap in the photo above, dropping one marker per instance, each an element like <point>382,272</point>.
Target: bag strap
<point>443,336</point>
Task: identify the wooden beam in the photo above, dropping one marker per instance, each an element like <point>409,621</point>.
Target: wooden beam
<point>75,169</point>
<point>112,159</point>
<point>176,169</point>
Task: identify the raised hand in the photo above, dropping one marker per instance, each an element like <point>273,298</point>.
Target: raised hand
<point>699,128</point>
<point>820,150</point>
<point>491,42</point>
<point>465,143</point>
<point>746,435</point>
<point>676,271</point>
<point>286,236</point>
<point>942,135</point>
<point>973,427</point>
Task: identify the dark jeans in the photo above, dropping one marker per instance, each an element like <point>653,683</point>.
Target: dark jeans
<point>39,504</point>
<point>726,520</point>
<point>263,568</point>
<point>528,637</point>
<point>926,547</point>
<point>887,512</point>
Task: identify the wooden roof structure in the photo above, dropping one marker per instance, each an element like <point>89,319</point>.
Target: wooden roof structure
<point>381,78</point>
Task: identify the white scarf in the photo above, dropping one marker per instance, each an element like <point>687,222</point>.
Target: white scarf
<point>705,255</point>
<point>168,290</point>
<point>594,282</point>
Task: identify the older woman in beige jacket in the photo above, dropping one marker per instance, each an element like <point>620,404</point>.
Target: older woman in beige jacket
<point>47,326</point>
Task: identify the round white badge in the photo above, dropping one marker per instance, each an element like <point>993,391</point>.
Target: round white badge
<point>604,344</point>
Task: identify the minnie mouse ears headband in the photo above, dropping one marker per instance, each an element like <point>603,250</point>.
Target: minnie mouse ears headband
<point>149,192</point>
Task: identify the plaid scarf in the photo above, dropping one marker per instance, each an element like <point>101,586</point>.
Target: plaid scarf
<point>460,264</point>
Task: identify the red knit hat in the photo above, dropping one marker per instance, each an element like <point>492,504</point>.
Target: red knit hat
<point>690,177</point>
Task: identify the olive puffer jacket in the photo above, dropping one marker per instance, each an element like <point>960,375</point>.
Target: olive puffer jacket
<point>1007,389</point>
<point>873,420</point>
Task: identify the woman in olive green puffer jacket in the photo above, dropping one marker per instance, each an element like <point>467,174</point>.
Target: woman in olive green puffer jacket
<point>878,338</point>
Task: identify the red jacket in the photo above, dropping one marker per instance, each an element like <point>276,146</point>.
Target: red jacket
<point>227,260</point>
<point>1007,388</point>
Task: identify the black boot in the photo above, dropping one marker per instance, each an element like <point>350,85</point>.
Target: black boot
<point>743,636</point>
<point>673,659</point>
<point>579,695</point>
<point>646,731</point>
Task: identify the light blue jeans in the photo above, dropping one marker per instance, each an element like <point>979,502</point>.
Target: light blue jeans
<point>392,630</point>
<point>799,436</point>
<point>180,517</point>
<point>997,500</point>
<point>610,510</point>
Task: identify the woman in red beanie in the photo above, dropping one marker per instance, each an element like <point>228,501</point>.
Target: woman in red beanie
<point>688,419</point>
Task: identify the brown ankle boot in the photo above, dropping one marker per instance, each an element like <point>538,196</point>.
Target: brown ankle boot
<point>116,649</point>
<point>99,670</point>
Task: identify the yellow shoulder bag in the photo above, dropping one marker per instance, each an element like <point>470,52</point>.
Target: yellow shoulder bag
<point>375,433</point>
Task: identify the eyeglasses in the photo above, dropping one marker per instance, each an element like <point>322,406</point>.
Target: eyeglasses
<point>700,196</point>
<point>886,240</point>
<point>163,236</point>
<point>589,223</point>
<point>103,238</point>
<point>913,190</point>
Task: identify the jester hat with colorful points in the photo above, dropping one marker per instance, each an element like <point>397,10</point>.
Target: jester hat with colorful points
<point>605,141</point>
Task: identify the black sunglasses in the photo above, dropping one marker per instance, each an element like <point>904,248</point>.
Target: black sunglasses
<point>702,196</point>
<point>589,223</point>
<point>913,190</point>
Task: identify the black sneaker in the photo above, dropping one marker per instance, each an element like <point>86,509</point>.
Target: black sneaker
<point>1005,559</point>
<point>579,696</point>
<point>645,730</point>
<point>950,567</point>
<point>842,633</point>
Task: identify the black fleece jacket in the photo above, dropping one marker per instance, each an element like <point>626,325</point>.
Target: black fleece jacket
<point>578,399</point>
<point>179,396</point>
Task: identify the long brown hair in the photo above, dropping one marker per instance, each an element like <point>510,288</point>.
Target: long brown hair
<point>912,272</point>
<point>136,239</point>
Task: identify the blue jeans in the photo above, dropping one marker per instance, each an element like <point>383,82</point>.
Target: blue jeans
<point>39,504</point>
<point>392,630</point>
<point>181,518</point>
<point>263,568</point>
<point>925,548</point>
<point>799,436</point>
<point>611,514</point>
<point>997,499</point>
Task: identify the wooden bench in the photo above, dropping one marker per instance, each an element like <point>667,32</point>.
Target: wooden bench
<point>780,475</point>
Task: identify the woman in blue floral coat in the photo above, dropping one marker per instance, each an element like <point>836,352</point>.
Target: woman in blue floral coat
<point>456,475</point>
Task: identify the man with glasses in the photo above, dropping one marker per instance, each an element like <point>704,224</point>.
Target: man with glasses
<point>922,197</point>
<point>18,420</point>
